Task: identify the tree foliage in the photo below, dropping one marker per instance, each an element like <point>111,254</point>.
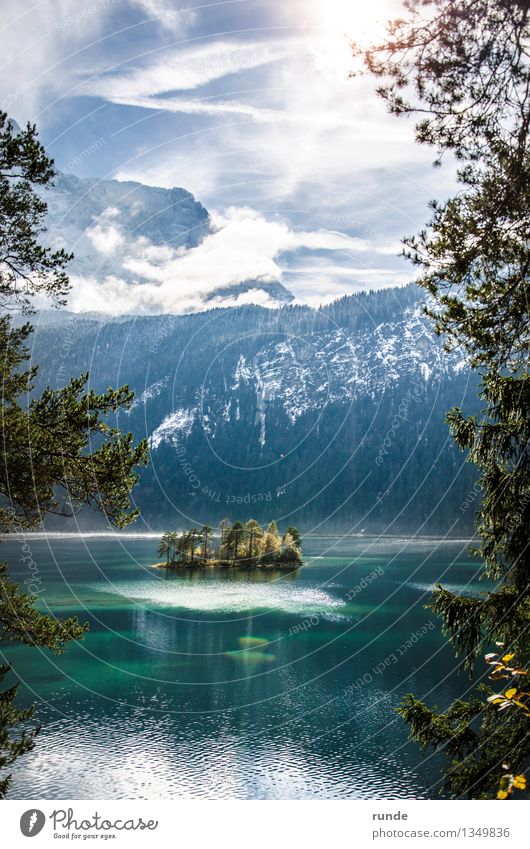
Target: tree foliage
<point>238,545</point>
<point>58,451</point>
<point>464,69</point>
<point>27,267</point>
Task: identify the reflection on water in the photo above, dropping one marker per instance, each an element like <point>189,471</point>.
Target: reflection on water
<point>250,576</point>
<point>223,594</point>
<point>234,685</point>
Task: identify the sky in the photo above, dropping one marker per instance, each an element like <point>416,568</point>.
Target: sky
<point>249,105</point>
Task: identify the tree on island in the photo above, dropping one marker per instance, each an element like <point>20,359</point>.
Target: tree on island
<point>165,546</point>
<point>185,545</point>
<point>290,548</point>
<point>244,545</point>
<point>295,534</point>
<point>271,544</point>
<point>58,451</point>
<point>236,538</point>
<point>206,535</point>
<point>254,536</point>
<point>466,68</point>
<point>193,536</point>
<point>224,527</point>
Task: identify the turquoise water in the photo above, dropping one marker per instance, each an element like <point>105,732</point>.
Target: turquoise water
<point>234,685</point>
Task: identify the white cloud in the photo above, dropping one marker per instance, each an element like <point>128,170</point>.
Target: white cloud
<point>104,235</point>
<point>318,141</point>
<point>243,246</point>
<point>184,69</point>
<point>176,21</point>
<point>198,107</point>
<point>41,49</point>
<point>310,149</point>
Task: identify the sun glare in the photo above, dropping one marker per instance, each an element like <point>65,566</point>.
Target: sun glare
<point>339,22</point>
<point>354,18</point>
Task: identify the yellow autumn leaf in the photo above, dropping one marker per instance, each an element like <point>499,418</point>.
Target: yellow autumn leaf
<point>502,794</point>
<point>511,692</point>
<point>519,782</point>
<point>507,657</point>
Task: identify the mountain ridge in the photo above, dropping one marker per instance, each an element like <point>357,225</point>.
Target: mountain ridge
<point>128,233</point>
<point>332,416</point>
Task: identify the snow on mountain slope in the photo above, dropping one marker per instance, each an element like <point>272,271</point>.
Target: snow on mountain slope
<point>176,423</point>
<point>305,373</point>
<point>149,392</point>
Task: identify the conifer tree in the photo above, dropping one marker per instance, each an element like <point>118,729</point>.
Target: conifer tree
<point>465,67</point>
<point>254,535</point>
<point>58,452</point>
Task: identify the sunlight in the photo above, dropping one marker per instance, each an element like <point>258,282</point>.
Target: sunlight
<point>353,18</point>
<point>339,22</point>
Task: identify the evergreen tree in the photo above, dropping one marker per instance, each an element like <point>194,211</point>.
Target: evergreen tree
<point>164,547</point>
<point>295,535</point>
<point>206,535</point>
<point>236,538</point>
<point>193,537</point>
<point>183,543</point>
<point>224,528</point>
<point>26,267</point>
<point>466,67</point>
<point>255,535</point>
<point>290,550</point>
<point>168,546</point>
<point>58,452</point>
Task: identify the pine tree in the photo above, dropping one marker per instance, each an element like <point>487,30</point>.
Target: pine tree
<point>465,66</point>
<point>206,534</point>
<point>290,549</point>
<point>193,536</point>
<point>255,535</point>
<point>224,528</point>
<point>58,452</point>
<point>295,535</point>
<point>165,546</point>
<point>236,538</point>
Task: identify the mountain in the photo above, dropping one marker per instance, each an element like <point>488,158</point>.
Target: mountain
<point>124,233</point>
<point>330,419</point>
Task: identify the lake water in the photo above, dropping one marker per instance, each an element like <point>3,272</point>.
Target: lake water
<point>235,685</point>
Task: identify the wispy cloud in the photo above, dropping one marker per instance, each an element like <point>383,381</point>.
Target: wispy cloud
<point>206,106</point>
<point>41,50</point>
<point>175,21</point>
<point>185,69</point>
<point>318,141</point>
<point>252,110</point>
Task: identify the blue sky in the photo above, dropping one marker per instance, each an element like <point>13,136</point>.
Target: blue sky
<point>245,103</point>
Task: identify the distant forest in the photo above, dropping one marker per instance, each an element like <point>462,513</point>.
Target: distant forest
<point>379,458</point>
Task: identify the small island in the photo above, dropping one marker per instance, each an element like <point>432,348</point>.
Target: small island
<point>237,545</point>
